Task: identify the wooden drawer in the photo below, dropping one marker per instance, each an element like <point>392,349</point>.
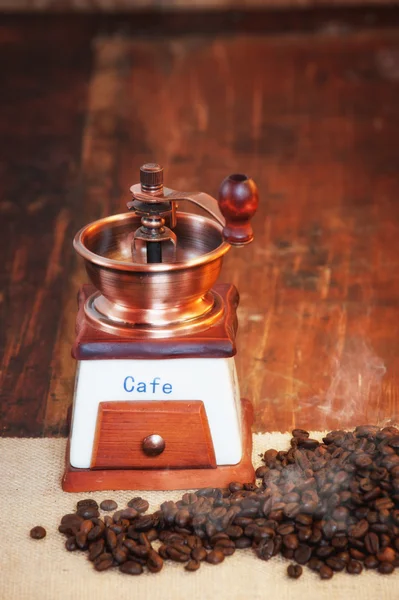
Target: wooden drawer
<point>122,428</point>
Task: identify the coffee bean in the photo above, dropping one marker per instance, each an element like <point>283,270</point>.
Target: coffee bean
<point>131,567</point>
<point>81,540</point>
<point>198,554</point>
<point>354,567</point>
<point>243,542</point>
<point>71,544</point>
<point>371,542</point>
<point>95,533</point>
<point>192,565</point>
<point>154,561</point>
<point>95,549</point>
<point>37,533</point>
<point>291,541</point>
<point>294,571</point>
<point>325,572</point>
<point>138,504</point>
<point>129,514</point>
<point>371,562</point>
<point>110,538</point>
<point>108,505</point>
<point>300,433</point>
<point>386,568</point>
<point>359,530</point>
<point>335,563</point>
<point>87,503</point>
<point>386,555</point>
<point>120,554</point>
<point>88,512</point>
<point>144,523</point>
<point>102,564</point>
<point>215,557</point>
<point>302,554</point>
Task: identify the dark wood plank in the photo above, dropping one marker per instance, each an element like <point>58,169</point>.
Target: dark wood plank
<point>43,89</point>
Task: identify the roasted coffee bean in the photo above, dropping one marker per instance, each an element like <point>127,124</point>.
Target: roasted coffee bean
<point>357,554</point>
<point>72,519</point>
<point>131,567</point>
<point>299,433</point>
<point>110,538</point>
<point>243,542</point>
<point>192,565</point>
<point>302,554</point>
<point>307,443</point>
<point>154,562</point>
<point>198,554</point>
<point>37,533</point>
<point>359,530</point>
<point>304,533</point>
<point>215,557</point>
<point>139,551</point>
<point>371,562</point>
<point>234,532</point>
<point>354,567</point>
<point>386,555</point>
<point>86,526</point>
<point>87,503</point>
<point>108,505</point>
<point>71,544</point>
<point>324,551</point>
<point>138,504</point>
<point>81,540</point>
<point>144,523</point>
<point>325,572</point>
<point>108,521</point>
<point>102,564</point>
<point>386,568</point>
<point>226,546</point>
<point>315,564</point>
<point>285,529</point>
<point>176,555</point>
<point>88,512</point>
<point>152,534</point>
<point>335,563</point>
<point>95,549</point>
<point>120,555</point>
<point>291,541</point>
<point>371,542</point>
<point>128,513</point>
<point>294,571</point>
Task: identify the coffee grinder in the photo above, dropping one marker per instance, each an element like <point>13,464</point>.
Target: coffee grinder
<point>157,403</point>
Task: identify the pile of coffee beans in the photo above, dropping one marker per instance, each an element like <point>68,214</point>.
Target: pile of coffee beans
<point>330,505</point>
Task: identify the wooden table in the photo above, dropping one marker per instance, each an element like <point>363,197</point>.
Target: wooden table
<point>308,106</point>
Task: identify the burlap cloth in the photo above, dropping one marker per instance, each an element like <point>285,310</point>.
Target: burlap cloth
<point>30,494</point>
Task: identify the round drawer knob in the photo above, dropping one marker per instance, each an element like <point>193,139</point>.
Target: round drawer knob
<point>153,445</point>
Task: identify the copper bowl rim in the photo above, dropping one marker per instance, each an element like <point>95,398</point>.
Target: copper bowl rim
<point>120,265</point>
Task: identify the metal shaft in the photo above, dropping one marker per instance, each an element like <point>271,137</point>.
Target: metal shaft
<point>154,252</point>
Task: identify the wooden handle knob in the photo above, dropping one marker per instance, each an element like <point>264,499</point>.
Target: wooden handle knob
<point>238,201</point>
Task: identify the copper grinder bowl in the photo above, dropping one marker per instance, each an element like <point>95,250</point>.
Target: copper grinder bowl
<point>158,299</point>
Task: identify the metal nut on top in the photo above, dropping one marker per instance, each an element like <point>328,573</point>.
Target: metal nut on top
<point>151,177</point>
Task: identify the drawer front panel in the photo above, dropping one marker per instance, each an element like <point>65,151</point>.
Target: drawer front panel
<point>130,434</point>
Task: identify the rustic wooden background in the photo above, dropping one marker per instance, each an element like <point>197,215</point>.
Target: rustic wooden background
<point>309,110</point>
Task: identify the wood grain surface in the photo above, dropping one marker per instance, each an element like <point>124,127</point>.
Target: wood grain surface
<point>313,118</point>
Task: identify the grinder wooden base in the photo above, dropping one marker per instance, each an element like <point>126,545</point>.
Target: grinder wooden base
<point>92,480</point>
